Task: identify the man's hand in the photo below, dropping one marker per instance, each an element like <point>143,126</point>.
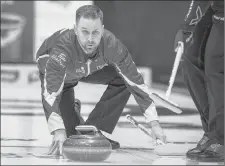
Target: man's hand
<point>157,132</point>
<point>186,38</point>
<point>57,142</point>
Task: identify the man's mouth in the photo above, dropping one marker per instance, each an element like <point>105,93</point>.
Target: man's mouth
<point>90,46</point>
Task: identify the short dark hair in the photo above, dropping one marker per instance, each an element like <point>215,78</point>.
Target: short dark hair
<point>89,11</point>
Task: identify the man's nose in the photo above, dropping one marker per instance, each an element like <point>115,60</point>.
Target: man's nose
<point>90,38</point>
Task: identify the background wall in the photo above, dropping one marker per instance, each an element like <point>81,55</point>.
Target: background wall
<point>148,29</point>
<point>17,26</point>
<point>62,15</point>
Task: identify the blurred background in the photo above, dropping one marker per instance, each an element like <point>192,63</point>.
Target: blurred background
<point>147,28</point>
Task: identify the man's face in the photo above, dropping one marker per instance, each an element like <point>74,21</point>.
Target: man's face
<point>89,33</point>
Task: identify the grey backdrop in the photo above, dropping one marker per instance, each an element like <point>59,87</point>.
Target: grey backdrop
<point>148,29</point>
<point>21,50</point>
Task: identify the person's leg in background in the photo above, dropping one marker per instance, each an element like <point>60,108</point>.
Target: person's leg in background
<point>194,76</point>
<point>214,68</point>
<point>215,83</point>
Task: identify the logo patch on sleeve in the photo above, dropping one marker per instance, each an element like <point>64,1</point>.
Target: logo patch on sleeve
<point>198,16</point>
<point>60,59</point>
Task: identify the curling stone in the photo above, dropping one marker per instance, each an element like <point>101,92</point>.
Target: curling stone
<point>88,147</point>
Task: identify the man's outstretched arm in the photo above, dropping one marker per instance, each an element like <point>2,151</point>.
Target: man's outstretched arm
<point>52,85</point>
<point>121,59</point>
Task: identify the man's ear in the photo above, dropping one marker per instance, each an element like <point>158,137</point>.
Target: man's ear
<point>103,29</point>
<point>75,29</point>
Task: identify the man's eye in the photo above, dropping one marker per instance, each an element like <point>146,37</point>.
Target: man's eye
<point>96,32</point>
<point>85,32</point>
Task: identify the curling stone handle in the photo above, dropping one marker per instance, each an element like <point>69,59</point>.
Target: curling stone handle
<point>86,128</point>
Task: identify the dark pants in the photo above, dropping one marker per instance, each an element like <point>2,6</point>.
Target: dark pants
<point>214,69</point>
<point>203,69</point>
<point>107,111</point>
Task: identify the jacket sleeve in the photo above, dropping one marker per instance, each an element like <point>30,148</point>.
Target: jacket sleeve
<point>122,61</point>
<point>53,81</point>
<point>197,10</point>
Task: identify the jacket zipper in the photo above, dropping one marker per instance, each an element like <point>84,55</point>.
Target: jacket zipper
<point>88,67</point>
